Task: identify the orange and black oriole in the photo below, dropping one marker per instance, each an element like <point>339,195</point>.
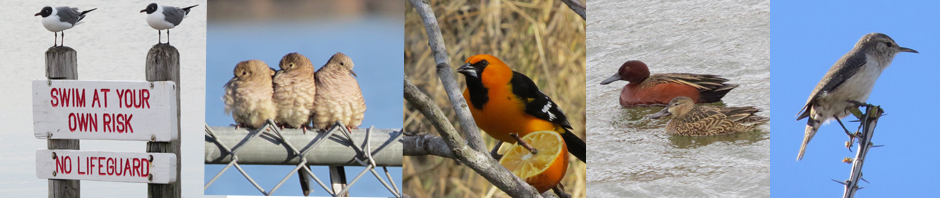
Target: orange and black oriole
<point>503,102</point>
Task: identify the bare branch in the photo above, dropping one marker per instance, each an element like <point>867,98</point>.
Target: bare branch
<point>446,74</point>
<point>421,145</point>
<point>576,6</point>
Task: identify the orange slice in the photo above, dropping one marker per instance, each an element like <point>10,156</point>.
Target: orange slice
<point>543,170</point>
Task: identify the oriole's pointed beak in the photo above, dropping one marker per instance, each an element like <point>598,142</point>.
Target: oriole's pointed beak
<point>467,70</point>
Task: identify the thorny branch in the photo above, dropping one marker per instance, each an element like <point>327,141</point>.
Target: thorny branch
<point>868,122</point>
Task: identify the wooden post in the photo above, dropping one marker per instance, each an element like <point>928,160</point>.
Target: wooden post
<point>163,64</point>
<point>62,63</point>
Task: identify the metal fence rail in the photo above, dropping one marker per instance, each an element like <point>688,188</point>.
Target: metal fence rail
<point>270,145</point>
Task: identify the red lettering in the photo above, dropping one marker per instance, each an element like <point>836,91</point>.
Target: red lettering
<point>91,166</point>
<point>101,166</point>
<point>82,124</point>
<point>105,96</point>
<point>127,123</point>
<point>120,123</point>
<point>134,99</point>
<point>92,121</point>
<point>72,124</point>
<point>106,119</point>
<point>110,163</point>
<point>60,165</point>
<point>127,167</point>
<point>79,99</point>
<point>146,173</point>
<point>145,97</point>
<point>136,167</point>
<point>79,158</point>
<point>64,99</point>
<point>54,93</point>
<point>120,94</point>
<point>95,100</point>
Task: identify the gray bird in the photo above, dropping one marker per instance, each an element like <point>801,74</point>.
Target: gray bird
<point>850,80</point>
<point>165,18</point>
<point>60,19</point>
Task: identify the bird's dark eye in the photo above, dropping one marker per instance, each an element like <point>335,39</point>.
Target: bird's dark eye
<point>888,43</point>
<point>291,65</point>
<point>342,63</point>
<point>244,73</point>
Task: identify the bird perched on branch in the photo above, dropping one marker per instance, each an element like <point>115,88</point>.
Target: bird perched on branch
<point>59,19</point>
<point>659,89</point>
<point>505,102</point>
<point>248,95</point>
<point>692,120</point>
<point>294,91</point>
<point>165,18</point>
<point>848,83</point>
<point>338,99</point>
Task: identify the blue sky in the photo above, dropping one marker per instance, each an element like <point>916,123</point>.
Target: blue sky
<point>375,46</point>
<point>807,37</point>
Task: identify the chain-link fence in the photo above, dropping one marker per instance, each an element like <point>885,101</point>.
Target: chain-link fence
<point>271,145</point>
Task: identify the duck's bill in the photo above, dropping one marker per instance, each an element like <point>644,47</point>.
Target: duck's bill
<point>611,79</point>
<point>663,113</point>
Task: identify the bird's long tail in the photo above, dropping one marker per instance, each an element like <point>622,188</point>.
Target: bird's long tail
<point>87,11</point>
<point>338,179</point>
<point>575,145</point>
<point>812,125</point>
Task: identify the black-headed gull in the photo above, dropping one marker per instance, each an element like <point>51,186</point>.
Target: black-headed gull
<point>165,17</point>
<point>60,19</point>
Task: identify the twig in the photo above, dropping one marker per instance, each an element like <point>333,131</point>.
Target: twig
<point>576,6</point>
<point>481,162</point>
<point>446,74</point>
<point>868,122</point>
<point>420,145</point>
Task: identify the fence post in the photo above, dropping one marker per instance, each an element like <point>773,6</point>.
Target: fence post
<point>62,64</point>
<point>163,64</point>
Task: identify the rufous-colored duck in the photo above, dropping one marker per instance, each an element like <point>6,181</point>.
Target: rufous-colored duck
<point>691,120</point>
<point>658,89</point>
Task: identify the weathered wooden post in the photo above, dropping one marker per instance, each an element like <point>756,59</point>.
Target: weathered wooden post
<point>62,63</point>
<point>163,64</point>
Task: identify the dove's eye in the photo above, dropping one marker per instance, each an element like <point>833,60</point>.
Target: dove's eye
<point>341,63</point>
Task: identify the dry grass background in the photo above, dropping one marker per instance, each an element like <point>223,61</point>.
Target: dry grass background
<point>542,39</point>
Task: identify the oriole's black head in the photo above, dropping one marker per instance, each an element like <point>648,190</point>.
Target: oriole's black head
<point>46,11</point>
<point>150,8</point>
<point>473,70</point>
